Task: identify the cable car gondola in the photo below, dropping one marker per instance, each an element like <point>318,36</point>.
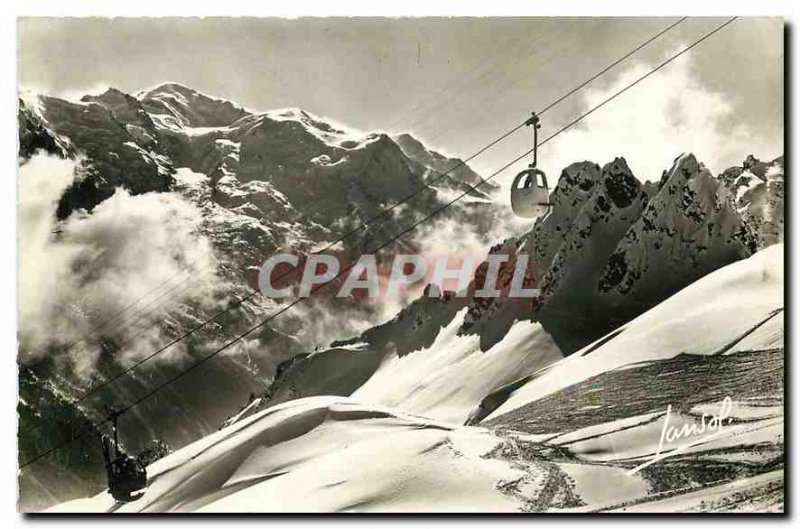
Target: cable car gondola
<point>530,196</point>
<point>126,474</point>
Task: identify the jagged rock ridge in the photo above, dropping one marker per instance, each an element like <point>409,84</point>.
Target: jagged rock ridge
<point>688,229</point>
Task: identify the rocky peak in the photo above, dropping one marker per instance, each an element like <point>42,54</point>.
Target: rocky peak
<point>616,201</point>
<point>621,187</point>
<point>688,229</point>
<point>125,108</point>
<point>414,149</point>
<point>755,166</point>
<point>575,185</point>
<point>129,112</point>
<point>35,133</point>
<point>592,210</point>
<point>115,154</point>
<point>179,105</point>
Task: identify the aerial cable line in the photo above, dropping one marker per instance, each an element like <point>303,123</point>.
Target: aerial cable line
<point>101,327</point>
<point>637,81</point>
<point>252,294</point>
<point>611,66</point>
<point>470,189</point>
<point>440,176</point>
<point>263,322</point>
<point>106,326</point>
<point>239,302</point>
<point>546,108</point>
<point>590,79</point>
<point>411,111</point>
<point>372,219</point>
<point>141,313</point>
<point>495,89</point>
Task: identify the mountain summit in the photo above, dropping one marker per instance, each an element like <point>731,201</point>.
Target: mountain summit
<point>260,182</point>
<point>689,228</point>
<point>612,249</point>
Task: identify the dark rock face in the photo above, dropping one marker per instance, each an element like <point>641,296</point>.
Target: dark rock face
<point>568,309</point>
<point>75,471</point>
<point>688,229</point>
<point>574,187</point>
<point>35,136</point>
<point>613,247</point>
<point>153,451</point>
<point>620,185</point>
<point>117,153</point>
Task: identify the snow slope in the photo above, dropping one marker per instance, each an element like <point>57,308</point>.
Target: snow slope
<point>719,340</point>
<point>324,454</point>
<point>702,319</point>
<point>573,438</point>
<point>419,363</point>
<point>449,379</point>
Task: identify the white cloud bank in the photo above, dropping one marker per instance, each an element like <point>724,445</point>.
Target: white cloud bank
<point>668,113</point>
<point>77,274</point>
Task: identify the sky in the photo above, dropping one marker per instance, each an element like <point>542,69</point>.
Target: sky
<point>456,83</point>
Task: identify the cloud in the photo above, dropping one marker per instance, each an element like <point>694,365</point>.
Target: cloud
<point>134,255</point>
<point>317,325</point>
<point>669,113</point>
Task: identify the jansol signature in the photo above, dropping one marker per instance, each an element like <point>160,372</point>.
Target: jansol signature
<point>710,426</point>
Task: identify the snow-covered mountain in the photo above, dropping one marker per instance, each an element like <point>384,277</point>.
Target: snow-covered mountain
<point>569,438</point>
<point>288,178</point>
<point>569,306</point>
<point>611,259</point>
<point>117,151</point>
<point>689,228</point>
<point>259,182</point>
<point>600,218</point>
<point>612,247</point>
<point>621,246</point>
